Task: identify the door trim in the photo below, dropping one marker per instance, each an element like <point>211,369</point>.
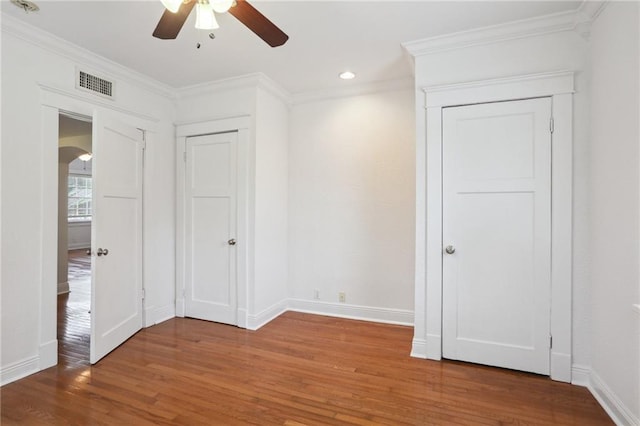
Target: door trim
<point>427,342</point>
<point>244,251</point>
<point>55,101</point>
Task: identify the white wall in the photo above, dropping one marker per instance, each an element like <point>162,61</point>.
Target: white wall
<point>29,58</point>
<point>217,101</point>
<point>78,235</point>
<point>352,205</point>
<point>349,225</point>
<point>271,215</point>
<point>63,229</point>
<point>159,221</point>
<point>565,50</point>
<point>262,102</point>
<point>615,210</point>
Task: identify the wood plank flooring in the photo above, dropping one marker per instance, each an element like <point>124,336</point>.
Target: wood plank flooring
<point>74,319</point>
<point>300,369</point>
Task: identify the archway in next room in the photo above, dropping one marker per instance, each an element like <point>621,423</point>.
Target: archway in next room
<point>74,240</point>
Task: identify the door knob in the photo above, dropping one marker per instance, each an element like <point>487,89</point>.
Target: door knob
<point>450,249</point>
<point>88,252</point>
<point>102,252</point>
<point>232,242</point>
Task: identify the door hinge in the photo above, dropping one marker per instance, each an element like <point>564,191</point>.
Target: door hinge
<point>550,341</point>
<point>551,125</point>
<point>144,139</point>
<point>143,294</point>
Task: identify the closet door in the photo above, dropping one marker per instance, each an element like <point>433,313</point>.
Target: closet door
<point>497,234</point>
<point>210,227</point>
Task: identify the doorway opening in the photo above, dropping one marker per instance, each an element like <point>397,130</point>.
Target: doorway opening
<point>74,239</point>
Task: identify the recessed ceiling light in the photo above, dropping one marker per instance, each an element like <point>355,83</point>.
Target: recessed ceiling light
<point>347,75</point>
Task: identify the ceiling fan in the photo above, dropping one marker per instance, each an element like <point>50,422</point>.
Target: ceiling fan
<point>177,12</point>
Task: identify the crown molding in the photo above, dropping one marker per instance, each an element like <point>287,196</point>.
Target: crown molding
<point>548,24</point>
<point>586,14</point>
<point>353,90</point>
<point>271,86</point>
<point>589,10</point>
<point>81,56</point>
<point>261,81</point>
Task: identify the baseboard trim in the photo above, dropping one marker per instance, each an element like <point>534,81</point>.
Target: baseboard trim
<point>242,318</point>
<point>180,305</point>
<point>48,354</point>
<point>18,370</point>
<point>357,312</point>
<point>255,322</point>
<point>419,348</point>
<point>560,367</point>
<point>614,407</point>
<point>63,288</point>
<point>580,375</point>
<point>434,347</point>
<point>157,314</point>
<point>78,246</point>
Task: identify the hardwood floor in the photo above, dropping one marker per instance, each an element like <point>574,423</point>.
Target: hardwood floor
<point>300,369</point>
<point>74,319</point>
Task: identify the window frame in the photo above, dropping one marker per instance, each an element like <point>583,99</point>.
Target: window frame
<point>89,188</point>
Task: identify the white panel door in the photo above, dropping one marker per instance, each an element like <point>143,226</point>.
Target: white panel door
<point>497,217</point>
<point>116,240</point>
<point>210,221</point>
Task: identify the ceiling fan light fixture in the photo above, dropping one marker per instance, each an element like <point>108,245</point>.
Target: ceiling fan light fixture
<point>172,5</point>
<point>205,18</point>
<point>221,6</point>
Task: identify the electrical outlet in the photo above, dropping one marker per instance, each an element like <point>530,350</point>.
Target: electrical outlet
<point>342,297</point>
<point>316,294</point>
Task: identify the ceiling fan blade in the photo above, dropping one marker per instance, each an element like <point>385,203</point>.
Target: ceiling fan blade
<point>171,23</point>
<point>258,23</point>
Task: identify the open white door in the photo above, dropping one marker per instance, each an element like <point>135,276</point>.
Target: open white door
<point>210,227</point>
<point>116,235</point>
<point>497,233</point>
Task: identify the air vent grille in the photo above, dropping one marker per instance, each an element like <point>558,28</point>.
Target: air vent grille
<point>95,84</point>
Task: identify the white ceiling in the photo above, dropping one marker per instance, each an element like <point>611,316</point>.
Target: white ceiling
<point>326,37</point>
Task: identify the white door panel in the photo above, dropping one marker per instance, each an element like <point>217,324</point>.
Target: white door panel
<point>211,187</point>
<point>210,248</point>
<point>497,216</point>
<point>116,285</point>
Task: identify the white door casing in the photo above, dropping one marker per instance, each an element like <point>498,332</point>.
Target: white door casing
<point>55,101</point>
<point>427,341</point>
<point>116,277</point>
<point>211,227</point>
<point>496,192</point>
